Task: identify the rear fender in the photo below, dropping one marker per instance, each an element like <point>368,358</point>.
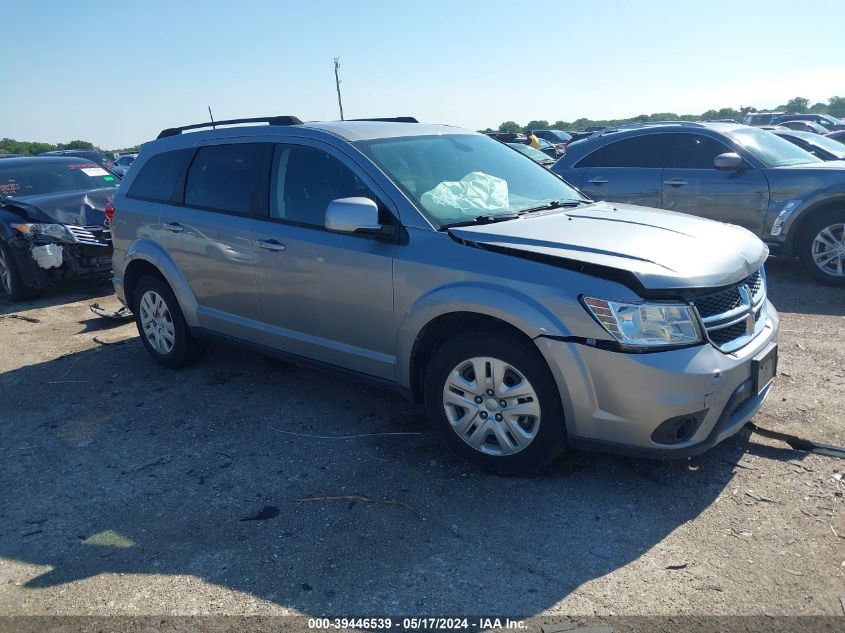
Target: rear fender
<point>149,251</point>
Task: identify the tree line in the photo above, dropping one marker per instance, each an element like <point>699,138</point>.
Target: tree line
<point>33,148</point>
<point>835,106</point>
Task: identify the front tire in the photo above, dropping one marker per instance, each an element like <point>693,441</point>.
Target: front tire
<point>11,286</point>
<point>494,401</point>
<point>822,247</point>
<point>162,326</point>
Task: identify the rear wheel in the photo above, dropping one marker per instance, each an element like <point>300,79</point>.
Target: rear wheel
<point>162,326</point>
<point>495,402</point>
<point>822,247</point>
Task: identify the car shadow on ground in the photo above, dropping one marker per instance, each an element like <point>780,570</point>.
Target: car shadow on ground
<point>58,295</point>
<point>788,282</point>
<point>113,464</point>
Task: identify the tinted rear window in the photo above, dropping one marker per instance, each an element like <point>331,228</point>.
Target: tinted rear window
<point>640,151</point>
<point>223,177</point>
<point>159,175</point>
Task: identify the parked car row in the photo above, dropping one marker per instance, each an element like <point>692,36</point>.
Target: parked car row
<point>791,199</point>
<point>826,122</point>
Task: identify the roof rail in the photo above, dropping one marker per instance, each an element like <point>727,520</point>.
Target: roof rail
<point>273,120</point>
<point>634,126</point>
<point>389,119</point>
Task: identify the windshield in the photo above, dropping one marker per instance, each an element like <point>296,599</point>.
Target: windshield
<point>770,149</point>
<point>459,178</point>
<point>17,181</point>
<point>563,136</point>
<point>834,147</point>
<point>536,154</point>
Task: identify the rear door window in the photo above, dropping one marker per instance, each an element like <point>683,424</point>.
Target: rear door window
<point>692,151</point>
<point>157,179</point>
<point>639,151</point>
<point>225,177</point>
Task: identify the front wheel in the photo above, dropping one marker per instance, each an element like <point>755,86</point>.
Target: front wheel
<point>822,247</point>
<point>495,403</point>
<point>11,286</point>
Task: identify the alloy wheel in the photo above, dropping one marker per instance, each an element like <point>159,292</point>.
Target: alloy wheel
<point>5,274</point>
<point>828,250</point>
<point>491,406</point>
<point>157,322</point>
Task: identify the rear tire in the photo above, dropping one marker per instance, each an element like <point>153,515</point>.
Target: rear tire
<point>11,286</point>
<point>821,247</point>
<point>510,420</point>
<point>162,326</point>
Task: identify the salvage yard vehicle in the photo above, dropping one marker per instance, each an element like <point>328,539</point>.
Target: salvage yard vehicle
<point>52,222</point>
<point>533,153</point>
<point>94,155</point>
<point>792,200</point>
<point>824,120</point>
<point>122,163</point>
<point>437,261</point>
<point>819,146</point>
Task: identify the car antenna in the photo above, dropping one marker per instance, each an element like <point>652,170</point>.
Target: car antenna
<point>212,118</point>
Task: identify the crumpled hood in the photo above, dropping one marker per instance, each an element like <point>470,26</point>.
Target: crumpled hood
<point>662,249</point>
<point>81,208</point>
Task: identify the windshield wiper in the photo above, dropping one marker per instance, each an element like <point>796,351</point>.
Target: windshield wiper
<point>553,204</point>
<point>482,219</point>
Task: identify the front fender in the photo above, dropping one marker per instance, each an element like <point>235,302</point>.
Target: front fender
<point>793,217</point>
<point>506,304</point>
<point>149,251</point>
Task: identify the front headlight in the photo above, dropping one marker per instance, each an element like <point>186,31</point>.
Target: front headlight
<point>646,324</point>
<point>54,231</point>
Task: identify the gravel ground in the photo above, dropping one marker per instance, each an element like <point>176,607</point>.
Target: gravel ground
<point>126,489</point>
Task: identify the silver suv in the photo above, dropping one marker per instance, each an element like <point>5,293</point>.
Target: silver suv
<point>445,264</point>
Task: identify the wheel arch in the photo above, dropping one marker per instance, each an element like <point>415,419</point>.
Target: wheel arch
<point>800,222</point>
<point>447,312</point>
<point>147,258</point>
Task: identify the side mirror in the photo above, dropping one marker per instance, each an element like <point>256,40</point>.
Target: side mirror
<point>729,161</point>
<point>353,215</point>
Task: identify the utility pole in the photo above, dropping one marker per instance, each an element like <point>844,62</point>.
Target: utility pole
<point>337,83</point>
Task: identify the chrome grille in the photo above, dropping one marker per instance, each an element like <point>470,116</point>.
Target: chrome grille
<point>90,235</point>
<point>733,317</point>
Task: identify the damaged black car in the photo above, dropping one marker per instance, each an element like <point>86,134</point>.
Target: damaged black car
<point>53,222</point>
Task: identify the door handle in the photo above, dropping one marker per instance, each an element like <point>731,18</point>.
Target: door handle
<point>675,182</point>
<point>173,227</point>
<point>270,245</point>
<point>598,180</point>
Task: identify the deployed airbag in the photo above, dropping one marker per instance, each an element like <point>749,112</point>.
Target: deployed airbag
<point>475,194</point>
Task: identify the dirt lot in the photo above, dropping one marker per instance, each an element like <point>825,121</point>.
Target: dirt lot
<point>126,485</point>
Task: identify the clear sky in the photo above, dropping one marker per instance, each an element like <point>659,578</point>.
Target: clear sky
<point>117,72</point>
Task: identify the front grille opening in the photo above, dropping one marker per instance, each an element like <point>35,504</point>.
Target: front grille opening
<point>727,334</point>
<point>715,308</point>
<point>718,303</point>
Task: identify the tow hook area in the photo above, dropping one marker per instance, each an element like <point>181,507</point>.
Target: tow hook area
<point>47,256</point>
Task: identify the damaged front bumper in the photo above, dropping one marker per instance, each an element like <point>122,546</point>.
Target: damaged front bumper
<point>84,252</point>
